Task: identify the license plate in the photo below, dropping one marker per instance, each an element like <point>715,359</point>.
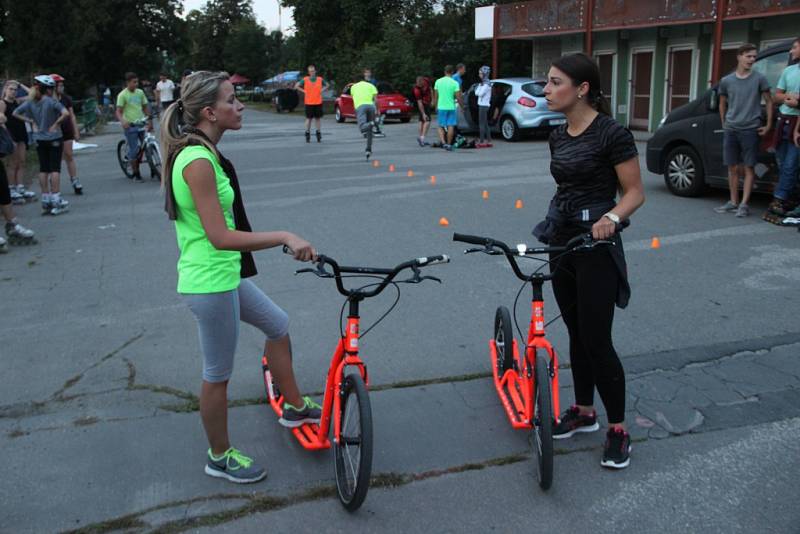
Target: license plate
<point>556,122</point>
<point>392,111</point>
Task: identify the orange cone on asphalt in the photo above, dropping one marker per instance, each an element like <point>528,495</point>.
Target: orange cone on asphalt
<point>485,195</point>
<point>391,167</point>
<point>518,204</point>
<point>433,180</point>
<point>410,173</point>
<point>656,243</point>
<point>444,222</point>
<point>376,163</point>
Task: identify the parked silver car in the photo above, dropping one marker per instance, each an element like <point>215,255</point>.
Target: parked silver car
<point>518,105</point>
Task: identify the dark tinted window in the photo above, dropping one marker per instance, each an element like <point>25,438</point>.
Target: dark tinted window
<point>385,88</point>
<point>534,88</point>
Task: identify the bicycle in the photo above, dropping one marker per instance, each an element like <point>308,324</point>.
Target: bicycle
<point>148,150</point>
<point>527,384</point>
<point>346,395</point>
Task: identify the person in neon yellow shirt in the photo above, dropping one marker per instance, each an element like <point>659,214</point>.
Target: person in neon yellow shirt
<point>446,96</point>
<point>215,241</point>
<point>132,107</point>
<point>364,94</point>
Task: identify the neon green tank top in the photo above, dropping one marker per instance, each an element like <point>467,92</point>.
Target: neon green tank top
<point>202,268</point>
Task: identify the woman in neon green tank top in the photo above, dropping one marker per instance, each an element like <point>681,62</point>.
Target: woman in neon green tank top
<point>215,242</point>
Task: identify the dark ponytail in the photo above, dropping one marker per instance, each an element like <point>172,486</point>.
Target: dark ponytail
<point>581,68</point>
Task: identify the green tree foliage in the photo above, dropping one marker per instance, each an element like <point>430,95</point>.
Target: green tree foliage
<point>246,49</point>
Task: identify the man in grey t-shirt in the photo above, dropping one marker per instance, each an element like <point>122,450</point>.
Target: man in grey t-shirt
<point>740,94</point>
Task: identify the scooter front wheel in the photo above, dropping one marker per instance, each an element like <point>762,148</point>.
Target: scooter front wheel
<point>352,452</point>
<point>543,422</point>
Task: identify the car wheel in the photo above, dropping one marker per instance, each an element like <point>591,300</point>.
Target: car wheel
<point>338,113</point>
<point>509,129</point>
<point>683,172</point>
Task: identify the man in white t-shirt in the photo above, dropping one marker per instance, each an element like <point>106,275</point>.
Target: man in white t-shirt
<point>165,90</point>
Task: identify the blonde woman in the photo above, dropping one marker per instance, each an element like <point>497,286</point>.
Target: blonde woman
<point>215,241</point>
<point>19,134</point>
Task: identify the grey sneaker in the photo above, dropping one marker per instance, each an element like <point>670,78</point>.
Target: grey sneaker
<point>234,466</point>
<point>743,210</point>
<point>728,207</point>
<point>311,412</point>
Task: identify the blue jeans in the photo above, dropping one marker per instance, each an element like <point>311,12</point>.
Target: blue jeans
<point>132,136</point>
<point>788,156</point>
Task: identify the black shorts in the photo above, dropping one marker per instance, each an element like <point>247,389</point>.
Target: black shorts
<point>314,111</point>
<point>49,153</point>
<point>5,194</point>
<point>428,112</point>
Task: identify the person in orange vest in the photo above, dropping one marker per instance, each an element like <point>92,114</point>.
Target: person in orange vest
<point>312,87</point>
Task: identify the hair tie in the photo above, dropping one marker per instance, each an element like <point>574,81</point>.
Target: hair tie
<point>180,106</point>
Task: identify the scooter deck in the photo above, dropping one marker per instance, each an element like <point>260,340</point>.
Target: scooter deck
<point>508,389</point>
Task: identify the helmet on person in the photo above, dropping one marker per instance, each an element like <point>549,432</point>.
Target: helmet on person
<point>45,80</point>
<point>57,78</point>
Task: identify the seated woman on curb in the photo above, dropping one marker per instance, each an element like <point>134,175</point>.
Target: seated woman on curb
<point>215,240</point>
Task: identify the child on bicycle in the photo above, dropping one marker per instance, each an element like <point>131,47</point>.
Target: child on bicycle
<point>132,107</point>
<point>204,200</point>
<point>592,157</point>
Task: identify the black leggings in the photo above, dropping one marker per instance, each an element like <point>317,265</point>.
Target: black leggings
<point>5,195</point>
<point>585,285</point>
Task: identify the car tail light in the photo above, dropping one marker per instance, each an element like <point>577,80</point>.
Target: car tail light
<point>527,102</point>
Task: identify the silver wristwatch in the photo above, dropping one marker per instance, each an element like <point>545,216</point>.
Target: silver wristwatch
<point>613,217</point>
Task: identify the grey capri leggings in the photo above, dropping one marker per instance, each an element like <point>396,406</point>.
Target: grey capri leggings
<point>218,316</point>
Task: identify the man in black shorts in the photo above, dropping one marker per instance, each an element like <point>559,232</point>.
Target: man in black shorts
<point>312,87</point>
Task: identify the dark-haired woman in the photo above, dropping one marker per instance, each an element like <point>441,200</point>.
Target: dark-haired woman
<point>592,158</point>
<point>215,242</point>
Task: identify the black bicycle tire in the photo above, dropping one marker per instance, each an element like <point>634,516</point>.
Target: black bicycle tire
<point>354,383</point>
<point>504,355</point>
<point>543,419</point>
<point>122,160</point>
<point>155,171</point>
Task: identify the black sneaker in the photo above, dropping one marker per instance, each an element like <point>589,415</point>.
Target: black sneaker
<point>308,137</point>
<point>617,450</point>
<point>573,422</point>
<point>319,136</point>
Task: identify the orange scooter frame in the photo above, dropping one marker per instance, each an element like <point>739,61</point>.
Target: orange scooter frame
<point>314,436</point>
<point>515,387</point>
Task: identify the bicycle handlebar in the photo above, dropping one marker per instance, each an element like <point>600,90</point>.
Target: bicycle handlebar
<point>491,246</point>
<point>389,274</point>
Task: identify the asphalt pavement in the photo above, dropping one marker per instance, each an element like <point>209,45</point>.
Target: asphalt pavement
<point>98,409</point>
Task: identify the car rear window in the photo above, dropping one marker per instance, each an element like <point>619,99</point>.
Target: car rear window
<point>534,88</point>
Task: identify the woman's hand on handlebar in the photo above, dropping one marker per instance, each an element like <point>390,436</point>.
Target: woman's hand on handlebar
<point>300,248</point>
<point>604,228</point>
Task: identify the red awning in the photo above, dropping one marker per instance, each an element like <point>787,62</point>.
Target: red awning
<point>238,79</point>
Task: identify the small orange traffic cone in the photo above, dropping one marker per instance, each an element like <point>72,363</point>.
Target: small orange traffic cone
<point>485,195</point>
<point>655,243</point>
<point>518,204</point>
<point>391,167</point>
<point>433,180</point>
<point>444,222</point>
<point>376,163</point>
<point>410,173</point>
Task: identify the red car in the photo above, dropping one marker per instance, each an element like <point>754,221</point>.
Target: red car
<point>391,104</point>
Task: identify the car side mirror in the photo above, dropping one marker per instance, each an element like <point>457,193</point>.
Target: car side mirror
<point>713,100</point>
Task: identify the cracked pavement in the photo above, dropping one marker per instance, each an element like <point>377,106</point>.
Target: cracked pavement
<point>98,405</point>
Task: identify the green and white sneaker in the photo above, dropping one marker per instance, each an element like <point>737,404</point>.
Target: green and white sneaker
<point>292,417</point>
<point>234,466</point>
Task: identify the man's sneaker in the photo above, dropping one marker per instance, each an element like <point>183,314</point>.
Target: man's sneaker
<point>76,186</point>
<point>292,417</point>
<point>319,136</point>
<point>308,137</point>
<point>420,142</point>
<point>617,450</point>
<point>778,207</point>
<point>728,207</point>
<point>16,197</point>
<point>138,178</point>
<point>573,422</point>
<point>743,210</point>
<point>234,466</point>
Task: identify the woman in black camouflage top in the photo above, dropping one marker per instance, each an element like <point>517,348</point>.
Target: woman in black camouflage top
<point>593,158</point>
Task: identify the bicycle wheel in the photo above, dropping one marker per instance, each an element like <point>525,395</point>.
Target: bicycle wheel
<point>153,161</point>
<point>352,455</point>
<point>543,423</point>
<point>122,158</point>
<point>503,341</point>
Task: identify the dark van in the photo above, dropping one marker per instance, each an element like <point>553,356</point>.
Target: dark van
<point>687,146</point>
